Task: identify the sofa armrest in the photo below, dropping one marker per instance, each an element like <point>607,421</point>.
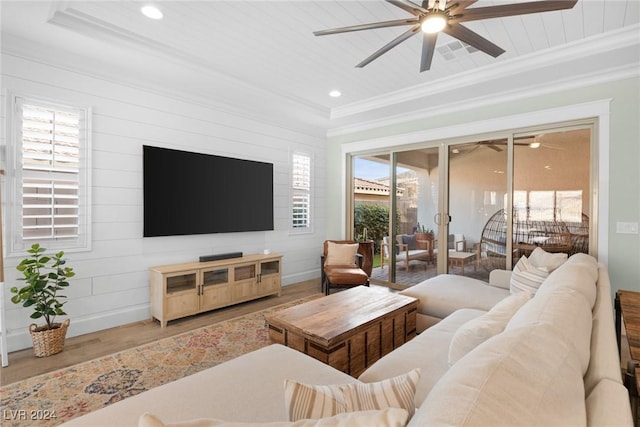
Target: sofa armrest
<point>500,278</point>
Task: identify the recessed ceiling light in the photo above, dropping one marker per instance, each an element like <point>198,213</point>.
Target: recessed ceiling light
<point>335,94</point>
<point>151,12</point>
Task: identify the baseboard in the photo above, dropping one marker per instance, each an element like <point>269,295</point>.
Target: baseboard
<point>19,340</point>
<point>291,279</point>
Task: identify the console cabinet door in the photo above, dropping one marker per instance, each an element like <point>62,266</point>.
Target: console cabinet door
<point>269,279</point>
<point>181,294</point>
<point>245,280</point>
<point>215,291</point>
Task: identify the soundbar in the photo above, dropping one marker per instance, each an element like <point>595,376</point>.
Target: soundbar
<point>217,257</point>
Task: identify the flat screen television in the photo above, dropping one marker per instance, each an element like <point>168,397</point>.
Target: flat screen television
<point>190,193</point>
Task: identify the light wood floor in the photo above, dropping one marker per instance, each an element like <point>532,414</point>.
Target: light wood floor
<point>23,364</point>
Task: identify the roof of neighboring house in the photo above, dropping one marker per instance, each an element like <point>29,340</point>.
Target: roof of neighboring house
<point>365,186</point>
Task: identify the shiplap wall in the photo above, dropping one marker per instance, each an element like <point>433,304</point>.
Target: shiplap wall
<point>111,287</point>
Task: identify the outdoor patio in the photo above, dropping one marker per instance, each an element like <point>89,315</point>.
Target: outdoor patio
<point>420,271</point>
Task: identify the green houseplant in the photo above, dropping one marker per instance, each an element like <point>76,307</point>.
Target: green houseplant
<point>44,276</point>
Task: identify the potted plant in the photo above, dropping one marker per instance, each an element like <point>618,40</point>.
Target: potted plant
<point>44,276</point>
<point>424,237</point>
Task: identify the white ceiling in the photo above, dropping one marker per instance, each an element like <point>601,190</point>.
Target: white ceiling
<point>269,44</point>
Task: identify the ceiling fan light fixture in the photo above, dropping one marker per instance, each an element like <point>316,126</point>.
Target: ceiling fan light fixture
<point>434,22</point>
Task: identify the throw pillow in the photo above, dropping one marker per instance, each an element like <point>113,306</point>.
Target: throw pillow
<point>476,331</point>
<point>304,401</point>
<point>526,276</point>
<point>410,241</point>
<point>341,253</point>
<point>389,417</point>
<point>541,258</point>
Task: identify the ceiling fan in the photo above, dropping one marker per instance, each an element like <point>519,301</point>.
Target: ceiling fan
<point>434,16</point>
<point>535,141</point>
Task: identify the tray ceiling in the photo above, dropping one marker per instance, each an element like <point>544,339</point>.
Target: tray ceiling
<point>269,44</point>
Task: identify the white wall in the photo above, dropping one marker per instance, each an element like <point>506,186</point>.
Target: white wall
<point>111,286</point>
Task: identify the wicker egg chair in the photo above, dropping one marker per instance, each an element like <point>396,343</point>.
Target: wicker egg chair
<point>552,236</point>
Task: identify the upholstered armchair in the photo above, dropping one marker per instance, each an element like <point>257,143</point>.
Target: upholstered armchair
<point>342,265</point>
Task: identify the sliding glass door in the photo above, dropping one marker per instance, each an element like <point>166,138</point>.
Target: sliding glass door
<point>477,186</point>
<point>551,192</point>
<point>469,207</point>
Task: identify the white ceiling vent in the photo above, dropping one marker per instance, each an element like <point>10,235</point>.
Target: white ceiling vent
<point>456,49</point>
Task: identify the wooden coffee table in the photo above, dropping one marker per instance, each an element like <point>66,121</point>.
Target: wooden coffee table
<point>348,330</point>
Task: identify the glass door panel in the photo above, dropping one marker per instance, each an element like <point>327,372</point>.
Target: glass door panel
<point>551,195</point>
<point>476,234</point>
<point>417,192</point>
<point>371,204</point>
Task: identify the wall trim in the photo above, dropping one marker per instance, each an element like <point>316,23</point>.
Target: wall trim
<point>587,80</point>
<point>21,339</point>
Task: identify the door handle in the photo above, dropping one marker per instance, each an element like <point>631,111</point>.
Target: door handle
<point>438,216</point>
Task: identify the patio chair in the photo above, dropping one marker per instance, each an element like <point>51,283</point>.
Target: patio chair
<point>405,251</point>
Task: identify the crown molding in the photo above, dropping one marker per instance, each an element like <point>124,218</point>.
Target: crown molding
<point>590,46</point>
<point>65,16</point>
<point>575,82</point>
<point>314,124</point>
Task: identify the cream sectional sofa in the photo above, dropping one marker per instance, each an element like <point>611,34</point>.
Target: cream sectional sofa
<point>551,362</point>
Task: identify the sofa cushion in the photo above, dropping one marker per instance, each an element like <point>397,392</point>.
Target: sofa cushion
<point>526,276</point>
<point>341,253</point>
<point>442,295</point>
<point>428,351</point>
<point>480,329</point>
<point>223,391</point>
<point>527,376</point>
<point>541,258</point>
<point>389,417</point>
<point>304,401</point>
<point>578,273</point>
<point>566,312</point>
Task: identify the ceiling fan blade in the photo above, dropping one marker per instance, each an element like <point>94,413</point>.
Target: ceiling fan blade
<point>474,39</point>
<point>393,43</point>
<point>408,6</point>
<point>501,11</point>
<point>459,6</point>
<point>428,49</point>
<point>384,24</point>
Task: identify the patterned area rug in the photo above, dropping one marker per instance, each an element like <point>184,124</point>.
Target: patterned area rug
<point>53,398</point>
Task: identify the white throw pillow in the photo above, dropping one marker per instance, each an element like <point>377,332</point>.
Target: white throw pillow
<point>304,401</point>
<point>341,253</point>
<point>527,277</point>
<point>541,258</point>
<point>389,417</point>
<point>478,330</point>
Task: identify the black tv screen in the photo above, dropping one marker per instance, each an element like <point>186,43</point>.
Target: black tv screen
<point>191,193</point>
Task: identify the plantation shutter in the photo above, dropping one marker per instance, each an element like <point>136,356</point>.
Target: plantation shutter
<point>50,150</point>
<point>301,194</point>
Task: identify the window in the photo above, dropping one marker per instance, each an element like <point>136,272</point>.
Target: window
<point>301,192</point>
<point>49,171</point>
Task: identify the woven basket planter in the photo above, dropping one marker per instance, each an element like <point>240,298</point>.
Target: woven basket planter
<point>47,342</point>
